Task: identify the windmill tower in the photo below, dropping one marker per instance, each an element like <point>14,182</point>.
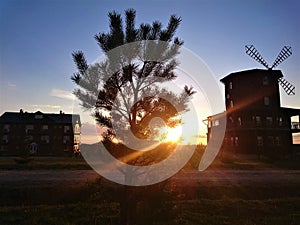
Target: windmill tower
<point>256,122</point>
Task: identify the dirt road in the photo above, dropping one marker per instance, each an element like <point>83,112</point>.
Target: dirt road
<point>13,178</point>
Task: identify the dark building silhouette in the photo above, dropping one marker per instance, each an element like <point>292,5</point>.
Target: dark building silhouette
<point>255,121</point>
<point>42,134</point>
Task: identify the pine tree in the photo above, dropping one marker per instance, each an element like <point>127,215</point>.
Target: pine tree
<point>124,91</point>
<point>123,88</point>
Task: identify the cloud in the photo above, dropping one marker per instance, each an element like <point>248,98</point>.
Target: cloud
<point>90,133</point>
<point>200,136</point>
<point>90,129</point>
<point>47,106</point>
<point>11,84</point>
<point>62,94</point>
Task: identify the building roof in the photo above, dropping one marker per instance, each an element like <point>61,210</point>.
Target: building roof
<point>291,111</point>
<point>24,117</point>
<point>218,115</point>
<point>261,72</point>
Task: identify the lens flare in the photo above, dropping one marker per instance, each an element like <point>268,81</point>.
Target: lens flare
<point>173,135</point>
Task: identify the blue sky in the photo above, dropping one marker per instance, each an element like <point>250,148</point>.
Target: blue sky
<point>38,37</point>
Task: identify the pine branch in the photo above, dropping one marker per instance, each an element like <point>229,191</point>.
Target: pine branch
<point>131,32</point>
<point>80,61</point>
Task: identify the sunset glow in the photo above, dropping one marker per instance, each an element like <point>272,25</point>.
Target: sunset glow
<point>171,134</point>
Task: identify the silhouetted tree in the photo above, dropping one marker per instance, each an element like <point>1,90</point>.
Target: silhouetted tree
<point>131,90</point>
<point>122,90</point>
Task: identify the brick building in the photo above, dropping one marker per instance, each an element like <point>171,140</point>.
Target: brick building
<point>41,134</point>
<point>255,121</point>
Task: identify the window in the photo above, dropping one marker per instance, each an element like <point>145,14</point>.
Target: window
<point>45,127</point>
<point>67,129</point>
<point>230,85</point>
<point>240,121</point>
<point>29,128</point>
<point>295,138</point>
<point>236,141</point>
<point>67,149</point>
<point>266,100</point>
<point>38,116</point>
<point>295,122</point>
<point>260,141</point>
<point>295,125</point>
<point>76,148</point>
<point>33,148</point>
<point>216,123</point>
<point>258,120</point>
<point>66,139</point>
<point>280,121</point>
<point>77,128</point>
<point>228,96</point>
<point>231,104</point>
<point>76,139</point>
<point>3,148</point>
<point>265,81</point>
<point>45,138</point>
<point>230,119</point>
<point>5,138</point>
<point>269,120</point>
<point>277,141</point>
<point>6,128</point>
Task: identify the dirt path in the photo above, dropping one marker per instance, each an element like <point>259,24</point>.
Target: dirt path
<point>9,178</point>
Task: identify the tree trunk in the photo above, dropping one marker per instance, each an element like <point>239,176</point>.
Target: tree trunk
<point>123,206</point>
<point>128,204</point>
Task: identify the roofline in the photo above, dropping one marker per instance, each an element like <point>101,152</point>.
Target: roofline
<point>18,117</point>
<point>291,111</point>
<point>250,70</point>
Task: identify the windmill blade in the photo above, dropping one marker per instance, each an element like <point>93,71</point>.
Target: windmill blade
<point>252,52</point>
<point>287,86</point>
<point>285,52</point>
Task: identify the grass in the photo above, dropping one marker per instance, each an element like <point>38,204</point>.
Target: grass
<point>78,163</point>
<point>238,211</point>
<point>43,163</point>
<point>167,203</point>
<point>164,203</point>
<point>243,162</point>
<point>193,212</point>
<point>67,214</point>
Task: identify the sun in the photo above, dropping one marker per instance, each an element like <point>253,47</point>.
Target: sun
<point>171,134</point>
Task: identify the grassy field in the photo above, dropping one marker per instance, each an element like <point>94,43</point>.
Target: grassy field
<point>43,163</point>
<point>78,163</point>
<point>197,212</point>
<point>166,203</point>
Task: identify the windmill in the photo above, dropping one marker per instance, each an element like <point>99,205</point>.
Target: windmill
<point>285,52</point>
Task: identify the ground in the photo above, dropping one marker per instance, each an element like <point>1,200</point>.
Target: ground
<point>15,178</point>
<point>248,192</point>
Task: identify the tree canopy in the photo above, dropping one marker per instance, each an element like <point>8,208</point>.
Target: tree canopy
<point>124,91</point>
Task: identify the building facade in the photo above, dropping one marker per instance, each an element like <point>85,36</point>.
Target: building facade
<point>255,121</point>
<point>41,134</point>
